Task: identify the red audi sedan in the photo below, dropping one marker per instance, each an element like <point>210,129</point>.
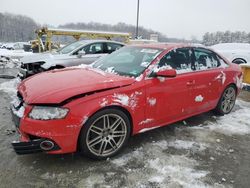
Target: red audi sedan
<point>96,109</point>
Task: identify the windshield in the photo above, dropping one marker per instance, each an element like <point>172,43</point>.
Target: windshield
<point>129,61</point>
<point>70,47</point>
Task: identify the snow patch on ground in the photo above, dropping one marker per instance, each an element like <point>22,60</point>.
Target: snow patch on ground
<point>10,87</point>
<point>123,160</point>
<point>92,180</point>
<point>237,122</point>
<point>182,144</point>
<point>188,145</point>
<point>179,169</point>
<point>157,179</point>
<point>48,176</point>
<point>161,168</point>
<point>6,62</point>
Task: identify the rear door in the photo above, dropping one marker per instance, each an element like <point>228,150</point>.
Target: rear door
<point>207,81</point>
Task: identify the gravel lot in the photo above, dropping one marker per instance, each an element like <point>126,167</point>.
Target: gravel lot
<point>202,151</point>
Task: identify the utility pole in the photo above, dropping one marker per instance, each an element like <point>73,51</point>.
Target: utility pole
<point>137,21</point>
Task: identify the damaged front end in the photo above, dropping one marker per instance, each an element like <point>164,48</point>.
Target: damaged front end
<point>29,69</point>
<point>46,116</point>
<point>28,143</point>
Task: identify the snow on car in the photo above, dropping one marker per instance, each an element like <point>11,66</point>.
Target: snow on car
<point>76,53</point>
<point>238,53</point>
<point>81,109</point>
<point>14,54</point>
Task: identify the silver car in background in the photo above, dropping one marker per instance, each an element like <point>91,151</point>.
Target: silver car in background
<point>76,53</point>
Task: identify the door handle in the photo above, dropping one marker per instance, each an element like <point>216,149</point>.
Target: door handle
<point>190,83</point>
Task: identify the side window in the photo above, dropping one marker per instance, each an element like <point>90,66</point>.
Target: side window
<point>96,48</point>
<point>111,47</point>
<point>178,59</point>
<point>223,64</point>
<point>205,59</point>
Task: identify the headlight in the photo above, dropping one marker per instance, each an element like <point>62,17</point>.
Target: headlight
<point>47,113</point>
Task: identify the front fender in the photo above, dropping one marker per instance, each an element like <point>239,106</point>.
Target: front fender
<point>133,101</point>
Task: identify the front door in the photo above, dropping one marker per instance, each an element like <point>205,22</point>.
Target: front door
<point>168,98</point>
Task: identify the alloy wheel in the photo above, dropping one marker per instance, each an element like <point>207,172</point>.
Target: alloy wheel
<point>106,135</point>
<point>228,100</point>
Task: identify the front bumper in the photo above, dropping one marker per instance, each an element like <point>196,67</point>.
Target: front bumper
<point>61,133</point>
<point>24,73</point>
<point>28,145</point>
<point>33,146</point>
<point>30,69</point>
<point>15,118</point>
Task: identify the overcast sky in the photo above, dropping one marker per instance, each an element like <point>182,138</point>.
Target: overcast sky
<point>175,18</point>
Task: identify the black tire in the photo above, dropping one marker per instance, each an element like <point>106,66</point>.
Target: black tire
<point>239,61</point>
<point>227,101</point>
<point>104,134</point>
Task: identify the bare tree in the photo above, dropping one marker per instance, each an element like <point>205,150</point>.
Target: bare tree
<point>225,37</point>
<point>16,28</point>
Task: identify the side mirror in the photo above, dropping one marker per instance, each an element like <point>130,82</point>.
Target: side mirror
<point>169,73</point>
<point>81,53</point>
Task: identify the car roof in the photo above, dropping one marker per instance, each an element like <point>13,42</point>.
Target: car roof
<point>167,46</point>
<point>92,41</point>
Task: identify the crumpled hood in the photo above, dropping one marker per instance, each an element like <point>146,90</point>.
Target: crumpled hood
<point>56,86</point>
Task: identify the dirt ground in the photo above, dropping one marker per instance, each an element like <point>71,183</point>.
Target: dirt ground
<point>202,151</point>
